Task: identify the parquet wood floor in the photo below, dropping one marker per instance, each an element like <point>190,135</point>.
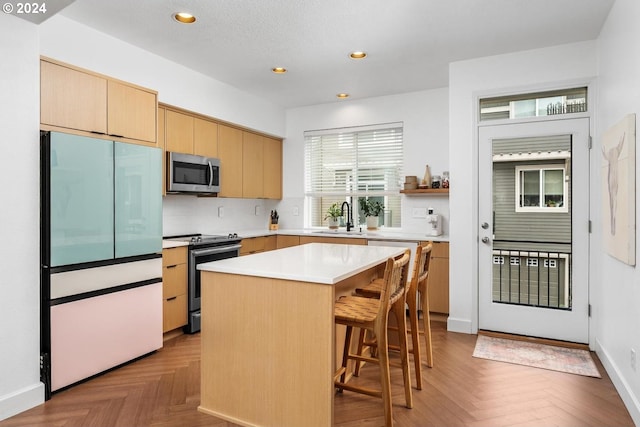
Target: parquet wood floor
<point>163,390</point>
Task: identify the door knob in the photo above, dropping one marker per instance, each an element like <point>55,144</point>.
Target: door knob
<point>485,225</point>
<point>485,239</point>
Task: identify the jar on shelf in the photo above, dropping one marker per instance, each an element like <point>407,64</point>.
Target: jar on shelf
<point>445,179</point>
<point>435,181</point>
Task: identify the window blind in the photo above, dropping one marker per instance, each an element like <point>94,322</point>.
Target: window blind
<point>350,163</point>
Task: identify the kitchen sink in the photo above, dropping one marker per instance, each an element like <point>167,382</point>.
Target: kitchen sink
<point>341,232</point>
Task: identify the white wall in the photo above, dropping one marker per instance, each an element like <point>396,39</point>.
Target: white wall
<point>425,117</point>
<point>20,386</point>
<point>616,305</point>
<point>521,71</point>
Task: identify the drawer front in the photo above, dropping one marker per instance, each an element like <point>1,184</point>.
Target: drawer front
<point>284,241</point>
<point>440,250</point>
<point>174,312</point>
<point>174,280</point>
<point>173,256</point>
<point>252,245</point>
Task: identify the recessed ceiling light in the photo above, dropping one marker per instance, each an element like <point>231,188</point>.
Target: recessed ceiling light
<point>184,17</point>
<point>279,70</point>
<point>358,55</point>
<point>342,95</point>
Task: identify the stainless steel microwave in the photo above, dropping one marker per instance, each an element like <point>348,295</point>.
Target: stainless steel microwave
<point>187,173</point>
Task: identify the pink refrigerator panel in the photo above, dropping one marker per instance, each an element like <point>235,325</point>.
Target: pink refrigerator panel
<point>95,334</point>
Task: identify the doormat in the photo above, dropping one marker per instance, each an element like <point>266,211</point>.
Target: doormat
<point>570,360</point>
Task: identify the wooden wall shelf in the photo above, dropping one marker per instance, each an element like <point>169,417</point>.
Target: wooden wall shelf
<point>419,191</point>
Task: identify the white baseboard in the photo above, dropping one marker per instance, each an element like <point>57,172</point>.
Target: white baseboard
<point>622,386</point>
<point>21,400</point>
<point>459,325</point>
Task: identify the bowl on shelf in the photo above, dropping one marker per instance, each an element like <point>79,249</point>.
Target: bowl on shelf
<point>423,186</point>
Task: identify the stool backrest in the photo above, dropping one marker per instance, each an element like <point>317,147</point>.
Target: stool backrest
<point>395,280</point>
<point>421,264</point>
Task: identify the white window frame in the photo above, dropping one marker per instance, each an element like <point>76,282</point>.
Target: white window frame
<point>546,209</point>
<point>358,166</point>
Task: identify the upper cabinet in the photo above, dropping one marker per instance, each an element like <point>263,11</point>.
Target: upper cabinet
<point>189,134</point>
<point>71,98</point>
<point>230,153</point>
<point>250,163</point>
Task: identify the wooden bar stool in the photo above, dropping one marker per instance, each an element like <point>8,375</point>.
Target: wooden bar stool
<point>418,284</point>
<point>372,314</point>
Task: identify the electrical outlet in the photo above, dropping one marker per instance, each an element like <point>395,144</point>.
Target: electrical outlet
<point>419,213</point>
<point>220,211</point>
<point>633,359</point>
<point>258,210</point>
<point>296,212</point>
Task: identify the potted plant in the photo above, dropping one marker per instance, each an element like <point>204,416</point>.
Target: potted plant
<point>333,215</point>
<point>371,210</point>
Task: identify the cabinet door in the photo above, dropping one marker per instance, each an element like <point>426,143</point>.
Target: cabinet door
<point>205,138</point>
<point>439,278</point>
<point>284,241</point>
<point>272,168</point>
<point>161,144</point>
<point>179,132</point>
<point>72,99</point>
<point>252,166</point>
<point>131,112</point>
<point>230,154</point>
<point>138,200</point>
<point>80,199</point>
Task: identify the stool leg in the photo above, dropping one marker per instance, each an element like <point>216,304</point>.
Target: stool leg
<point>415,338</point>
<point>385,376</point>
<point>401,318</point>
<point>345,353</point>
<point>426,319</point>
<point>361,338</point>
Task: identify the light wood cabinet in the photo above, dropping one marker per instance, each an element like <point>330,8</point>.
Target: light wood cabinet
<point>439,278</point>
<point>272,168</point>
<point>252,166</point>
<point>230,154</point>
<point>131,112</point>
<point>340,240</point>
<point>179,132</point>
<point>161,143</point>
<point>205,137</point>
<point>72,98</point>
<point>284,241</point>
<point>174,288</point>
<point>254,245</point>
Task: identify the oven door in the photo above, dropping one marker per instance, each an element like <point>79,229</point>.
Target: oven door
<point>192,174</point>
<point>200,256</point>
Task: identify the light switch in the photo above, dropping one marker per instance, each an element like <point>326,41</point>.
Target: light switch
<point>258,210</point>
<point>220,211</point>
<point>295,211</point>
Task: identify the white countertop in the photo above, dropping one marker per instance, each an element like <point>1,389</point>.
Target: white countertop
<point>168,244</point>
<point>314,262</point>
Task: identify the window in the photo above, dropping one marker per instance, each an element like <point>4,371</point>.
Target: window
<point>564,101</point>
<point>351,163</point>
<point>541,188</point>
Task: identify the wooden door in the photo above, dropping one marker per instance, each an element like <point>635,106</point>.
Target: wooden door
<point>72,99</point>
<point>132,112</point>
<point>179,132</point>
<point>252,166</point>
<point>205,138</point>
<point>230,154</point>
<point>272,168</point>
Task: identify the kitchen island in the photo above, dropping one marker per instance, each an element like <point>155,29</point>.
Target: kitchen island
<point>269,343</point>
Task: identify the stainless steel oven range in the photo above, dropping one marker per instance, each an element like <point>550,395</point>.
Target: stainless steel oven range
<point>203,248</point>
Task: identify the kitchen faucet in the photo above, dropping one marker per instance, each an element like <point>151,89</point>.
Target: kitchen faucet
<point>349,214</point>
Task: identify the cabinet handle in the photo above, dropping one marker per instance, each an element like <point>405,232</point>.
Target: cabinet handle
<point>117,136</point>
<point>172,266</point>
<point>171,299</point>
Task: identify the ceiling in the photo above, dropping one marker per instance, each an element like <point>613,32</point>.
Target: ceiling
<point>409,42</point>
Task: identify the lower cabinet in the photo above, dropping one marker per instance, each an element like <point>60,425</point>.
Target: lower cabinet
<point>439,278</point>
<point>174,288</point>
<point>253,245</point>
<point>284,241</point>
